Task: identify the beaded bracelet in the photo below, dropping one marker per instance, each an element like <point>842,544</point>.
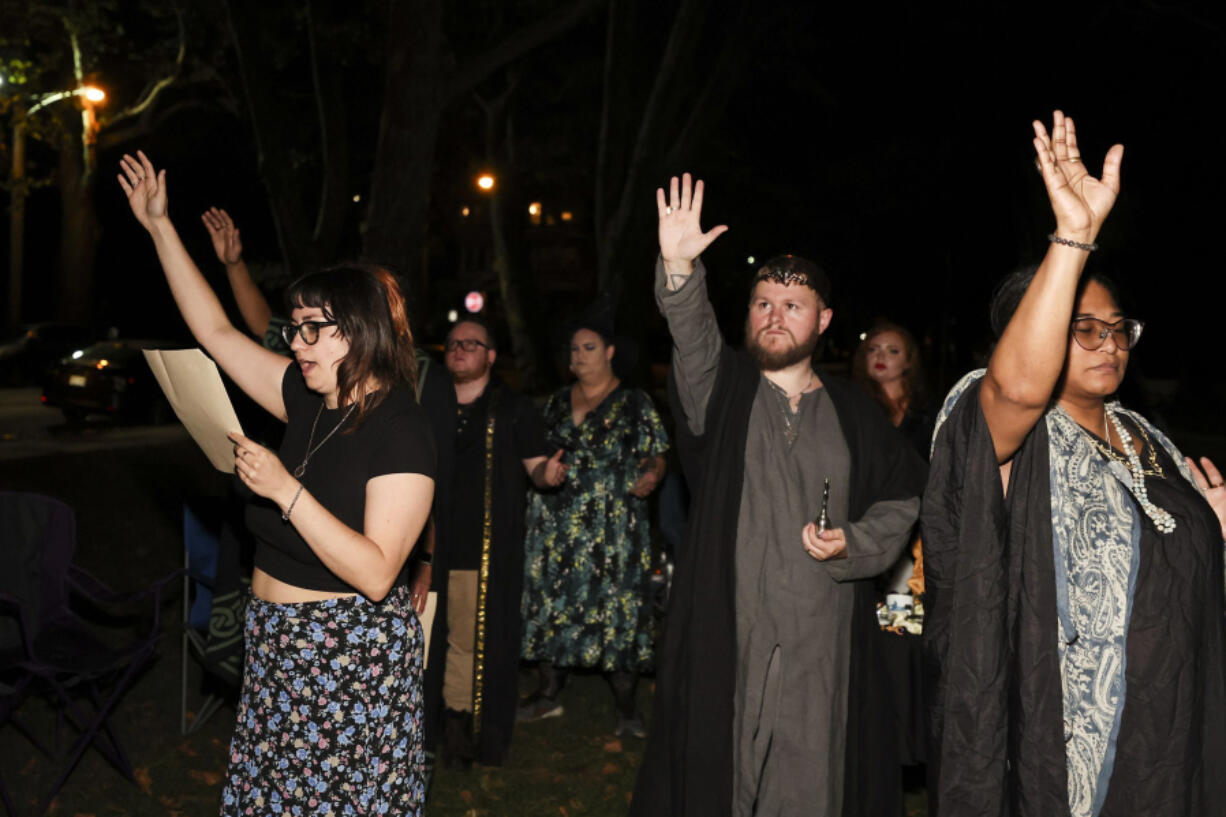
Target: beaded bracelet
<point>1068,242</point>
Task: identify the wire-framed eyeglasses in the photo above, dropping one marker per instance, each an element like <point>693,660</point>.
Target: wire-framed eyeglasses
<point>1091,333</point>
<point>467,344</point>
<point>307,330</point>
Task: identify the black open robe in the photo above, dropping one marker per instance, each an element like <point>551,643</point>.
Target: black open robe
<point>996,713</point>
<point>687,765</point>
<point>500,673</point>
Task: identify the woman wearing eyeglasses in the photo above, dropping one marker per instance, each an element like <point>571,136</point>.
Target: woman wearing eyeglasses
<point>1073,558</point>
<point>329,719</point>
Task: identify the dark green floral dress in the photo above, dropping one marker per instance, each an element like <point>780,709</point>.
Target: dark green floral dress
<point>588,546</point>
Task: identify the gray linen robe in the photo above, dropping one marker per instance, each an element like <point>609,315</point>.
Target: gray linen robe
<point>793,613</point>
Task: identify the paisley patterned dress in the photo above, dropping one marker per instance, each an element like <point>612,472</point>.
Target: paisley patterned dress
<point>588,544</point>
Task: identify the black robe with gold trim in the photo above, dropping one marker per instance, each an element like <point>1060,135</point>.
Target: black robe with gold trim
<point>500,586</point>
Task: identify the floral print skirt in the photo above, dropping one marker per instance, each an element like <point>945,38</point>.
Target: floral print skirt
<point>330,716</point>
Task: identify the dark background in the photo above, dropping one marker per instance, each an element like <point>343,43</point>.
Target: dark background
<point>891,142</point>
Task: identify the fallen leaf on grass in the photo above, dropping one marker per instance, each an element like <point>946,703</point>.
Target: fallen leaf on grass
<point>610,768</point>
<point>206,777</point>
<point>141,773</point>
<point>467,797</point>
<point>614,746</point>
<point>577,805</point>
<point>186,748</point>
<point>562,810</point>
<point>84,814</point>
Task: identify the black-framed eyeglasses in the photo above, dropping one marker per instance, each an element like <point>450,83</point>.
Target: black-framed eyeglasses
<point>307,330</point>
<point>467,344</point>
<point>1091,333</point>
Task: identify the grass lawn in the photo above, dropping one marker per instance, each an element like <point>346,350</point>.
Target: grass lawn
<point>129,519</point>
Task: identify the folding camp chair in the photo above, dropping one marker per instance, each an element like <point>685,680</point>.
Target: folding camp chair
<point>201,527</point>
<point>53,650</point>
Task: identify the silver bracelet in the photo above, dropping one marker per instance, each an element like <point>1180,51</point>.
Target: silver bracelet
<point>1068,242</point>
<point>292,503</point>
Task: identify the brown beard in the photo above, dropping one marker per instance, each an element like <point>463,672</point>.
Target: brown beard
<point>773,361</point>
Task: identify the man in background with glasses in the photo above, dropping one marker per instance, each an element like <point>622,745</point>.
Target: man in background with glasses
<point>496,443</point>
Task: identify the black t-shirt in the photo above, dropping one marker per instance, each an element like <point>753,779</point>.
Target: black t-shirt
<point>394,438</point>
<point>468,496</point>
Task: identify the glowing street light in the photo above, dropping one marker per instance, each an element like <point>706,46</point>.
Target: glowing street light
<point>485,181</point>
<point>93,94</point>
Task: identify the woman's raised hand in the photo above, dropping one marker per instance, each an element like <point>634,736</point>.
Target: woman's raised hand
<point>681,236</point>
<point>1079,201</point>
<point>145,188</point>
<point>224,235</point>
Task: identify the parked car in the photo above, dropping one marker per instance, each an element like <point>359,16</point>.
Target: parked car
<point>112,378</point>
<point>26,358</point>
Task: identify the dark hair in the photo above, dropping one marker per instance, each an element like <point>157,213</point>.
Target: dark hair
<point>477,320</point>
<point>913,383</point>
<point>1010,290</point>
<point>792,269</point>
<point>596,317</point>
<point>366,303</point>
<point>605,332</point>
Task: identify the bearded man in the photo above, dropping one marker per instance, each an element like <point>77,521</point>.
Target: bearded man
<point>769,696</point>
<point>493,443</point>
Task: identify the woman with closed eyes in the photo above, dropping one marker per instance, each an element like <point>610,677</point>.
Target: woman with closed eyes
<point>1073,557</point>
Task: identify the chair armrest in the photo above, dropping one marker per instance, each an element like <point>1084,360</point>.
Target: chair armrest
<point>98,593</point>
<point>11,607</point>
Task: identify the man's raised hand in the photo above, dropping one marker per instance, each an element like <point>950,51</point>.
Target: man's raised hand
<point>681,236</point>
<point>1079,201</point>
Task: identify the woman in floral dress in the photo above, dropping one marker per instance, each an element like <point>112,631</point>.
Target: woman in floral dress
<point>588,545</point>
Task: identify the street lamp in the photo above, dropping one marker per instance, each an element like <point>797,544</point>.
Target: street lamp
<point>485,181</point>
<point>17,210</point>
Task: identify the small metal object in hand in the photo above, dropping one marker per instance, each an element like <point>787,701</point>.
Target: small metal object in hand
<point>823,516</point>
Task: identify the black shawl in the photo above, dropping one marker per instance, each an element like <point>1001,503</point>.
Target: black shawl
<point>687,765</point>
<point>991,655</point>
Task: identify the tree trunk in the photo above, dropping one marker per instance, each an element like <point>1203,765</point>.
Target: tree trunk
<point>418,69</point>
<point>79,231</point>
<point>307,209</point>
<point>422,79</point>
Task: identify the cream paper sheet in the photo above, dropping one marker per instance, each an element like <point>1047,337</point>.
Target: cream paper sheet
<point>427,623</point>
<point>193,386</point>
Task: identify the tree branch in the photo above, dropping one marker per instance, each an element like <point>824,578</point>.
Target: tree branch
<point>152,91</point>
<point>516,44</point>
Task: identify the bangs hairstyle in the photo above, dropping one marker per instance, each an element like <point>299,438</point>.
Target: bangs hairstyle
<point>914,386</point>
<point>368,307</point>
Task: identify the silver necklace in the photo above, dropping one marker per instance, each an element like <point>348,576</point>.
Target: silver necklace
<point>301,469</point>
<point>1162,519</point>
<point>790,429</point>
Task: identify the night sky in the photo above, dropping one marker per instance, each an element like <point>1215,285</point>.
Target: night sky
<point>891,142</point>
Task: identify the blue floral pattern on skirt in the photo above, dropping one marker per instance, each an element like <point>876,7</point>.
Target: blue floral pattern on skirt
<point>330,716</point>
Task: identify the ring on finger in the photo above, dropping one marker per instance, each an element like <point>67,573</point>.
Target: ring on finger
<point>1074,158</point>
<point>668,211</point>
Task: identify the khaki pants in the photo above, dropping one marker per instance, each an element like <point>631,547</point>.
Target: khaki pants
<point>461,638</point>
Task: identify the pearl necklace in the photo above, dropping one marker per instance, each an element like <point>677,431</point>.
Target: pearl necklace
<point>1162,519</point>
